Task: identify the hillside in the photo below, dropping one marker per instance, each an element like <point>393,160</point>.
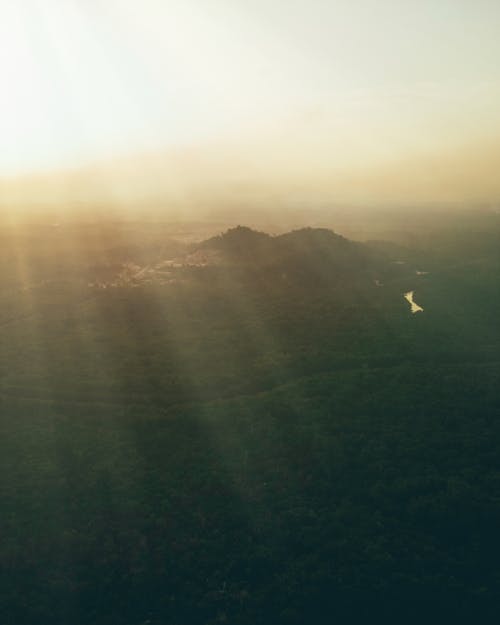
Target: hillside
<point>310,246</point>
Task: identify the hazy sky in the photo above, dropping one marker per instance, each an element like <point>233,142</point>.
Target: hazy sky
<point>282,88</point>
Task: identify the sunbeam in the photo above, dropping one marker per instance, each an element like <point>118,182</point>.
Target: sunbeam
<point>216,405</point>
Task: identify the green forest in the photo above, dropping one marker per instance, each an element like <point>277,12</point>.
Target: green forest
<point>252,429</point>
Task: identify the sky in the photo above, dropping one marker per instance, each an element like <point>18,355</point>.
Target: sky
<point>367,100</point>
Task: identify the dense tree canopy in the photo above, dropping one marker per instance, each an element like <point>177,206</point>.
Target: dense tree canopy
<point>278,442</point>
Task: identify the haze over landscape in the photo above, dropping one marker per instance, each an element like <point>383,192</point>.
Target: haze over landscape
<point>249,303</point>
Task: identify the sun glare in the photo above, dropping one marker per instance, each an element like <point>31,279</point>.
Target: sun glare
<point>272,96</point>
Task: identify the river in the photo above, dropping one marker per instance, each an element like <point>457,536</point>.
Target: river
<point>415,308</point>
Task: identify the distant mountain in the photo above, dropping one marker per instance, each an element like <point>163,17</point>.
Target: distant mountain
<point>242,242</point>
<point>301,255</point>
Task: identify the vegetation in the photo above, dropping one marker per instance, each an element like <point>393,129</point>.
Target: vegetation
<point>272,438</point>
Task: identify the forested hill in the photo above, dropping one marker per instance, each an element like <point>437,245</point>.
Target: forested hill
<point>308,257</point>
<point>320,244</point>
